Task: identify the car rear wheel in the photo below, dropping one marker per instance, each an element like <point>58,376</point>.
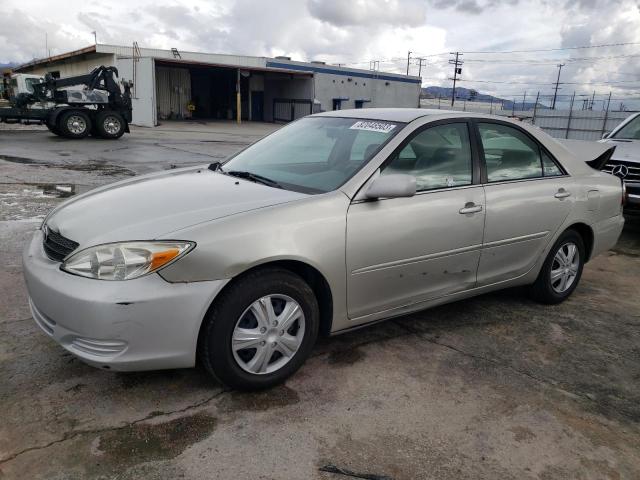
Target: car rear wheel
<point>110,125</point>
<point>74,124</point>
<point>561,271</point>
<point>260,330</point>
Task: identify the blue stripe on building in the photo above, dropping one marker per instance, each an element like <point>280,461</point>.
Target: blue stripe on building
<point>334,71</point>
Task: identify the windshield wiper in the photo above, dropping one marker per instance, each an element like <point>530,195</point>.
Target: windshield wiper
<point>254,177</point>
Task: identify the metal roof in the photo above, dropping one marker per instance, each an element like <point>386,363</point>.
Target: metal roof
<point>178,62</point>
<point>55,58</point>
<point>227,60</point>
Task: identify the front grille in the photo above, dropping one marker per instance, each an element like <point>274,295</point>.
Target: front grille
<point>56,246</point>
<point>628,171</point>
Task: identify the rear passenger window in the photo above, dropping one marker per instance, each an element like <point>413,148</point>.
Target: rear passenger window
<point>509,153</point>
<point>438,157</point>
<point>549,166</point>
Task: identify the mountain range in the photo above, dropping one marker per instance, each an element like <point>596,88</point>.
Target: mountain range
<point>471,95</point>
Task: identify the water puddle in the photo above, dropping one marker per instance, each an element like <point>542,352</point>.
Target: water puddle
<point>98,167</point>
<point>32,201</point>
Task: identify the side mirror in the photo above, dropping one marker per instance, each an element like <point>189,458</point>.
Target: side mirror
<point>606,135</point>
<point>392,186</point>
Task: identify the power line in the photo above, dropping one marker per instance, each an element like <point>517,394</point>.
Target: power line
<point>559,49</point>
<point>549,61</point>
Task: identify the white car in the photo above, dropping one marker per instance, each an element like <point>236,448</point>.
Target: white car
<point>625,161</point>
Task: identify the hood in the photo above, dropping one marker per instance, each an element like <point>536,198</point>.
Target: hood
<point>149,207</point>
<point>626,150</point>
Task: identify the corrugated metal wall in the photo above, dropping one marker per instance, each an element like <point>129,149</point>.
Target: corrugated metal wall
<point>576,125</point>
<point>173,92</point>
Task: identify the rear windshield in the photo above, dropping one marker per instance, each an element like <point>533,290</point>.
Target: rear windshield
<point>315,154</point>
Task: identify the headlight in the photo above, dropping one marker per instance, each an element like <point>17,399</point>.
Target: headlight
<point>126,260</point>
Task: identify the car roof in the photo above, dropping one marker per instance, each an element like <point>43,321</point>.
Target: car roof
<point>388,114</point>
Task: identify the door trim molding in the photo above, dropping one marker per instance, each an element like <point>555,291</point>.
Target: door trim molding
<point>422,258</point>
<point>507,241</point>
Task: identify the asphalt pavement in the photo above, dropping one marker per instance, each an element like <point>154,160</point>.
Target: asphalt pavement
<point>496,387</point>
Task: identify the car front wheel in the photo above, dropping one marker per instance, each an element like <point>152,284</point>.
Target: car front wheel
<point>260,330</point>
<point>562,269</point>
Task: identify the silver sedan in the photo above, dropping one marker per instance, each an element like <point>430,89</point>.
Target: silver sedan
<point>333,222</point>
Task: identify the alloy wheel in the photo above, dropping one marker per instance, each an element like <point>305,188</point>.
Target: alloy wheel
<point>76,124</point>
<point>111,125</point>
<point>565,266</point>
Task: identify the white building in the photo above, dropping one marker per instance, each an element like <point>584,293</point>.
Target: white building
<point>165,82</point>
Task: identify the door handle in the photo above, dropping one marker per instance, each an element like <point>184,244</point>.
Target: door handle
<point>562,193</point>
<point>470,207</point>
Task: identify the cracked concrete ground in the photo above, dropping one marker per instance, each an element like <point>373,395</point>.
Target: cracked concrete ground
<point>492,387</point>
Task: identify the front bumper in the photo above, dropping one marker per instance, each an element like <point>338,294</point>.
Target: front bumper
<point>633,197</point>
<point>141,324</point>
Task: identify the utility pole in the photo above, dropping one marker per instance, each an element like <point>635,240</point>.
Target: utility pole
<point>524,98</point>
<point>535,109</point>
<point>420,63</point>
<point>457,70</point>
<point>555,93</point>
<point>95,37</point>
<point>408,60</point>
<point>606,117</point>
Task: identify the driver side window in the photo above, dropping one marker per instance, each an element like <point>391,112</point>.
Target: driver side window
<point>438,157</point>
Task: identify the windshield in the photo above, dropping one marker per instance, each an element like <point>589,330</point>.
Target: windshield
<point>314,154</point>
<point>630,131</point>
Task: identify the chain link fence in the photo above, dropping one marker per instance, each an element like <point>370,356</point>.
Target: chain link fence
<point>573,123</point>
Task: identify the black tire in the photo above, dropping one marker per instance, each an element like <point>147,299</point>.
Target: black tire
<point>53,129</point>
<point>543,290</point>
<point>110,125</point>
<point>215,342</point>
<point>74,124</point>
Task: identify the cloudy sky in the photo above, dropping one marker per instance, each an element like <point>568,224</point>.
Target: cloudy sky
<point>354,32</point>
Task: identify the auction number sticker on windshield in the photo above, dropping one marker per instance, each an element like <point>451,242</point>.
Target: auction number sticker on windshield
<point>372,126</point>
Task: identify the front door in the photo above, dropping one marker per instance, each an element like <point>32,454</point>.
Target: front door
<point>528,197</point>
<point>404,251</point>
<point>257,106</point>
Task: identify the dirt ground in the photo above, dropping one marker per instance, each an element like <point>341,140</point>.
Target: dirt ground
<point>495,387</point>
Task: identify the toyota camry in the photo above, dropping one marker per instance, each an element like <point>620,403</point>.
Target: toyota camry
<point>331,223</point>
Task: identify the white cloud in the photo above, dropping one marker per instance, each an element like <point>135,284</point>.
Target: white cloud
<point>356,32</point>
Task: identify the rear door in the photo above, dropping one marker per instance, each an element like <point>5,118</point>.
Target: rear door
<point>528,197</point>
<point>403,251</point>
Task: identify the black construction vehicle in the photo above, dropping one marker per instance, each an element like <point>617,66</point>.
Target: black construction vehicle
<point>100,108</point>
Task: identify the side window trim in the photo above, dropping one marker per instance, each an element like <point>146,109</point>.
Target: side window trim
<point>476,162</point>
<point>482,160</point>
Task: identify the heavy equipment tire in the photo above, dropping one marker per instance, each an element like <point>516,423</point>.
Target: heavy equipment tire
<point>53,129</point>
<point>74,124</point>
<point>260,329</point>
<point>110,125</point>
<point>561,270</point>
